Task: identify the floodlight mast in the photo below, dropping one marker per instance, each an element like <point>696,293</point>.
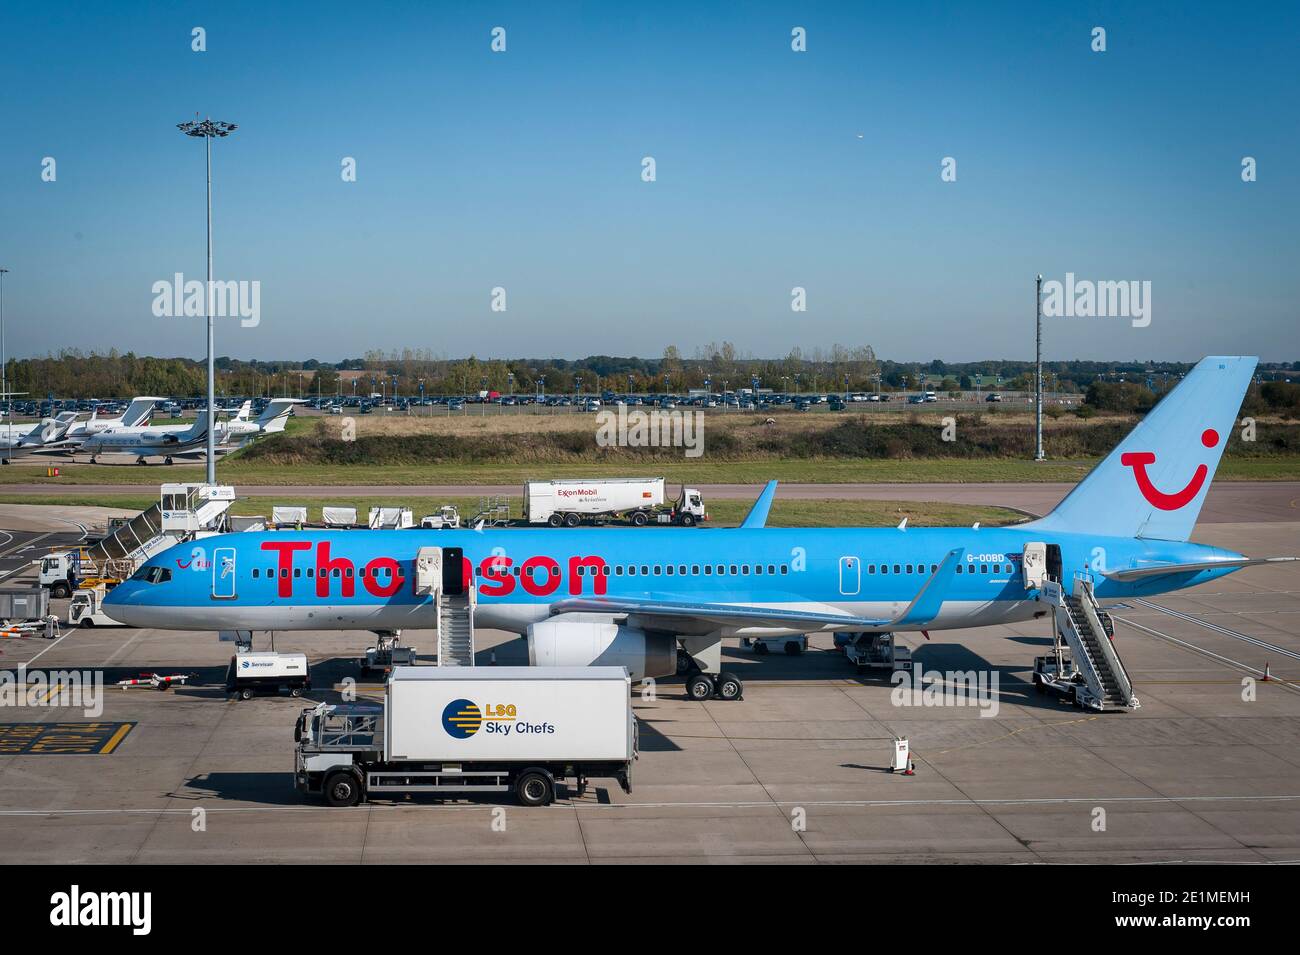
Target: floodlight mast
<point>207,130</point>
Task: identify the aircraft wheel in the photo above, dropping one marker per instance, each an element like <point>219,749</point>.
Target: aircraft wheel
<point>729,686</point>
<point>760,647</point>
<point>700,687</point>
<point>793,648</point>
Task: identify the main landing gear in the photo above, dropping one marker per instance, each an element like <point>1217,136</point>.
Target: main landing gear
<point>701,686</point>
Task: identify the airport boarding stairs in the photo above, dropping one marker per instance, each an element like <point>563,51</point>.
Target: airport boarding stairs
<point>1086,629</point>
<point>133,542</point>
<point>182,511</point>
<point>455,630</point>
<point>440,575</point>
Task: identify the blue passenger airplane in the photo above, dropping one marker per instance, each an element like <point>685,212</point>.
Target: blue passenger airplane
<point>634,596</point>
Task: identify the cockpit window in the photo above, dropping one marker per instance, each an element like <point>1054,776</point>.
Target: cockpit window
<point>153,575</point>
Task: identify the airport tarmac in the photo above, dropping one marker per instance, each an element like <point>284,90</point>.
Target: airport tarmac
<point>793,773</point>
<point>1227,502</point>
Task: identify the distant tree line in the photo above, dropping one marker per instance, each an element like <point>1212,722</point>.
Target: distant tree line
<point>1117,386</point>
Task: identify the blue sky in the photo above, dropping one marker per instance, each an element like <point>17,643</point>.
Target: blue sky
<point>775,169</point>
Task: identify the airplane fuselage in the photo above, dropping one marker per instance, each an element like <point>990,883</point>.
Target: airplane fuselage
<point>322,580</point>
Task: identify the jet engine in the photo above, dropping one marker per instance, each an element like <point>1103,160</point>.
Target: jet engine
<point>582,643</point>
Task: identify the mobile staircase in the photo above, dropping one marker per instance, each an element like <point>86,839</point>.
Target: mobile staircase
<point>440,575</point>
<point>1092,675</point>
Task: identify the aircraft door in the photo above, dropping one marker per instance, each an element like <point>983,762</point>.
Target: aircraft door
<point>453,571</point>
<point>1034,565</point>
<point>850,576</point>
<point>223,573</point>
<point>1054,562</point>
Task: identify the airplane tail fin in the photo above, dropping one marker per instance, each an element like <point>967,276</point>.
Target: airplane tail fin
<point>1154,482</point>
<point>138,411</point>
<point>200,427</point>
<point>276,414</point>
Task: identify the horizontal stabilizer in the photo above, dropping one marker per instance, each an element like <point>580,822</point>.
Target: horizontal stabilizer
<point>1193,567</point>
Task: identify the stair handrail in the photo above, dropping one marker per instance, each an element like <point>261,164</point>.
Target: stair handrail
<point>1088,602</point>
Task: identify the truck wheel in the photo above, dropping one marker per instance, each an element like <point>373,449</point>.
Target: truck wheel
<point>572,520</point>
<point>684,662</point>
<point>87,623</point>
<point>295,691</point>
<point>793,648</point>
<point>760,647</point>
<point>534,788</point>
<point>688,520</point>
<point>700,687</point>
<point>60,590</point>
<point>639,519</point>
<point>342,789</point>
<point>556,520</point>
<point>246,693</point>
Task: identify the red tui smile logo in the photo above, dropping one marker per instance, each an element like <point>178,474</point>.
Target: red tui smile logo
<point>1138,461</point>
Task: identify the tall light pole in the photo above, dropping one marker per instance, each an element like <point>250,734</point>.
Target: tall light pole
<point>1038,369</point>
<point>207,130</point>
<point>4,368</point>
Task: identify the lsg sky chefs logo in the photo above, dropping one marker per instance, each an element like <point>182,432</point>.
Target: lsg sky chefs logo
<point>1083,298</point>
<point>464,718</point>
<point>181,299</point>
<point>652,429</point>
<point>77,908</point>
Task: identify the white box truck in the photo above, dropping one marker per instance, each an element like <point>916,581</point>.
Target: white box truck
<point>252,673</point>
<point>568,503</point>
<point>453,731</point>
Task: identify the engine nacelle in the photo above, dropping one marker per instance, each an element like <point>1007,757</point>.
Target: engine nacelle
<point>583,643</point>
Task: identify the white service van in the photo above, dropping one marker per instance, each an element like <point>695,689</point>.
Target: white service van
<point>250,674</point>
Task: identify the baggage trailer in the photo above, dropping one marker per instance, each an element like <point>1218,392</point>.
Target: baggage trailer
<point>22,604</point>
<point>640,501</point>
<point>451,732</point>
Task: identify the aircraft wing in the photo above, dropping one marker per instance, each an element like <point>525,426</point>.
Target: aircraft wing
<point>923,609</point>
<point>717,615</point>
<point>1163,570</point>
